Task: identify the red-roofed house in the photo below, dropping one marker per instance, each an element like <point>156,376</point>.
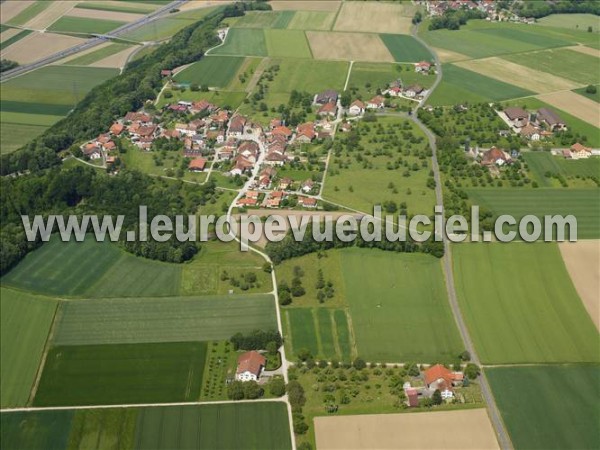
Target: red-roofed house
<point>422,67</point>
<point>356,108</point>
<point>307,202</point>
<point>377,102</point>
<point>580,151</point>
<point>197,165</point>
<point>328,109</point>
<point>442,378</point>
<point>282,131</point>
<point>249,366</point>
<point>116,128</point>
<point>166,73</point>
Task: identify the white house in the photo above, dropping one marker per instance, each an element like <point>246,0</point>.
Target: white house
<point>356,108</point>
<point>250,366</point>
<point>377,102</point>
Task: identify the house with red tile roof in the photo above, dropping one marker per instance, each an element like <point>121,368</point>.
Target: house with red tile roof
<point>197,165</point>
<point>442,378</point>
<point>579,151</point>
<point>356,108</point>
<point>328,109</point>
<point>117,128</point>
<point>249,366</point>
<point>377,102</point>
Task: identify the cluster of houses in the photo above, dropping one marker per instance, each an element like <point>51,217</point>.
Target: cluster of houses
<point>536,126</point>
<point>488,7</point>
<point>412,92</point>
<point>436,377</point>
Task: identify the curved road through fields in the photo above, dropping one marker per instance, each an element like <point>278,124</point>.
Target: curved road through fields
<point>20,70</point>
<point>503,438</point>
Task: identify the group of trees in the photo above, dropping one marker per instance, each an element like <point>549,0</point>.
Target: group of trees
<point>256,340</point>
<point>7,64</point>
<point>246,281</point>
<point>452,19</point>
<point>538,9</point>
<point>84,190</point>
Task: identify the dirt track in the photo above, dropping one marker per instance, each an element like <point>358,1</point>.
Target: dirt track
<point>466,429</point>
<point>582,259</point>
<point>575,104</point>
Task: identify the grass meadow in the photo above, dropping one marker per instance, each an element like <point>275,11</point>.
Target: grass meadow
<point>311,20</point>
<point>84,25</point>
<point>214,427</point>
<point>399,307</point>
<point>565,63</point>
<point>265,19</point>
<point>582,203</point>
<point>35,430</point>
<point>287,43</point>
<point>405,48</point>
<point>521,306</point>
<point>549,407</point>
<point>579,22</point>
<point>98,429</point>
<point>243,42</point>
<point>126,7</point>
<point>308,75</point>
<point>461,85</point>
<point>171,319</point>
<point>592,96</point>
<point>540,163</point>
<point>213,71</point>
<point>122,374</point>
<point>97,55</point>
<point>25,322</point>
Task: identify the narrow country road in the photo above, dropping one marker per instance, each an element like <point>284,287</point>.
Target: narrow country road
<point>494,413</point>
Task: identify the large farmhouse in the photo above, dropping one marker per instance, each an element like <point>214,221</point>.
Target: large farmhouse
<point>250,366</point>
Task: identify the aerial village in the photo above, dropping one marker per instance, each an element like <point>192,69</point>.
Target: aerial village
<point>247,150</point>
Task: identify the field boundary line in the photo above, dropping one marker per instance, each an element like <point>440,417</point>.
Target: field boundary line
<point>140,405</point>
<point>348,76</point>
<point>337,14</point>
<point>42,363</point>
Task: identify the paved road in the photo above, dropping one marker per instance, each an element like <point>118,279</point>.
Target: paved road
<point>20,70</point>
<point>503,438</point>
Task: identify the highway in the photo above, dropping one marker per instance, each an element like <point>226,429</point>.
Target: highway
<point>20,70</point>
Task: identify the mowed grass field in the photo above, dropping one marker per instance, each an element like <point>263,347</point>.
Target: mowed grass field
<point>308,75</point>
<point>243,42</point>
<point>25,323</point>
<point>92,269</point>
<point>84,25</point>
<point>287,43</point>
<point>399,307</point>
<point>265,19</point>
<point>549,407</point>
<point>571,21</point>
<point>460,85</point>
<point>323,331</point>
<point>122,374</point>
<point>582,203</point>
<point>172,319</point>
<point>540,163</point>
<point>32,102</point>
<point>213,71</point>
<point>262,426</point>
<point>521,306</point>
<point>97,55</point>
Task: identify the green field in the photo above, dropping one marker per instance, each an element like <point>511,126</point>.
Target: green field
<point>571,21</point>
<point>308,75</point>
<point>35,430</point>
<point>84,25</point>
<point>137,8</point>
<point>166,27</point>
<point>15,135</point>
<point>565,63</point>
<point>542,162</point>
<point>173,319</point>
<point>243,42</point>
<point>265,19</point>
<point>480,39</point>
<point>213,71</point>
<point>98,429</point>
<point>122,374</point>
<point>28,119</point>
<point>287,43</point>
<point>255,426</point>
<point>461,85</point>
<point>25,323</point>
<point>312,20</point>
<point>399,307</point>
<point>595,96</point>
<point>343,334</point>
<point>29,13</point>
<point>405,48</point>
<point>549,407</point>
<point>10,106</point>
<point>97,55</point>
<point>582,203</point>
<point>521,306</point>
<point>304,333</point>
